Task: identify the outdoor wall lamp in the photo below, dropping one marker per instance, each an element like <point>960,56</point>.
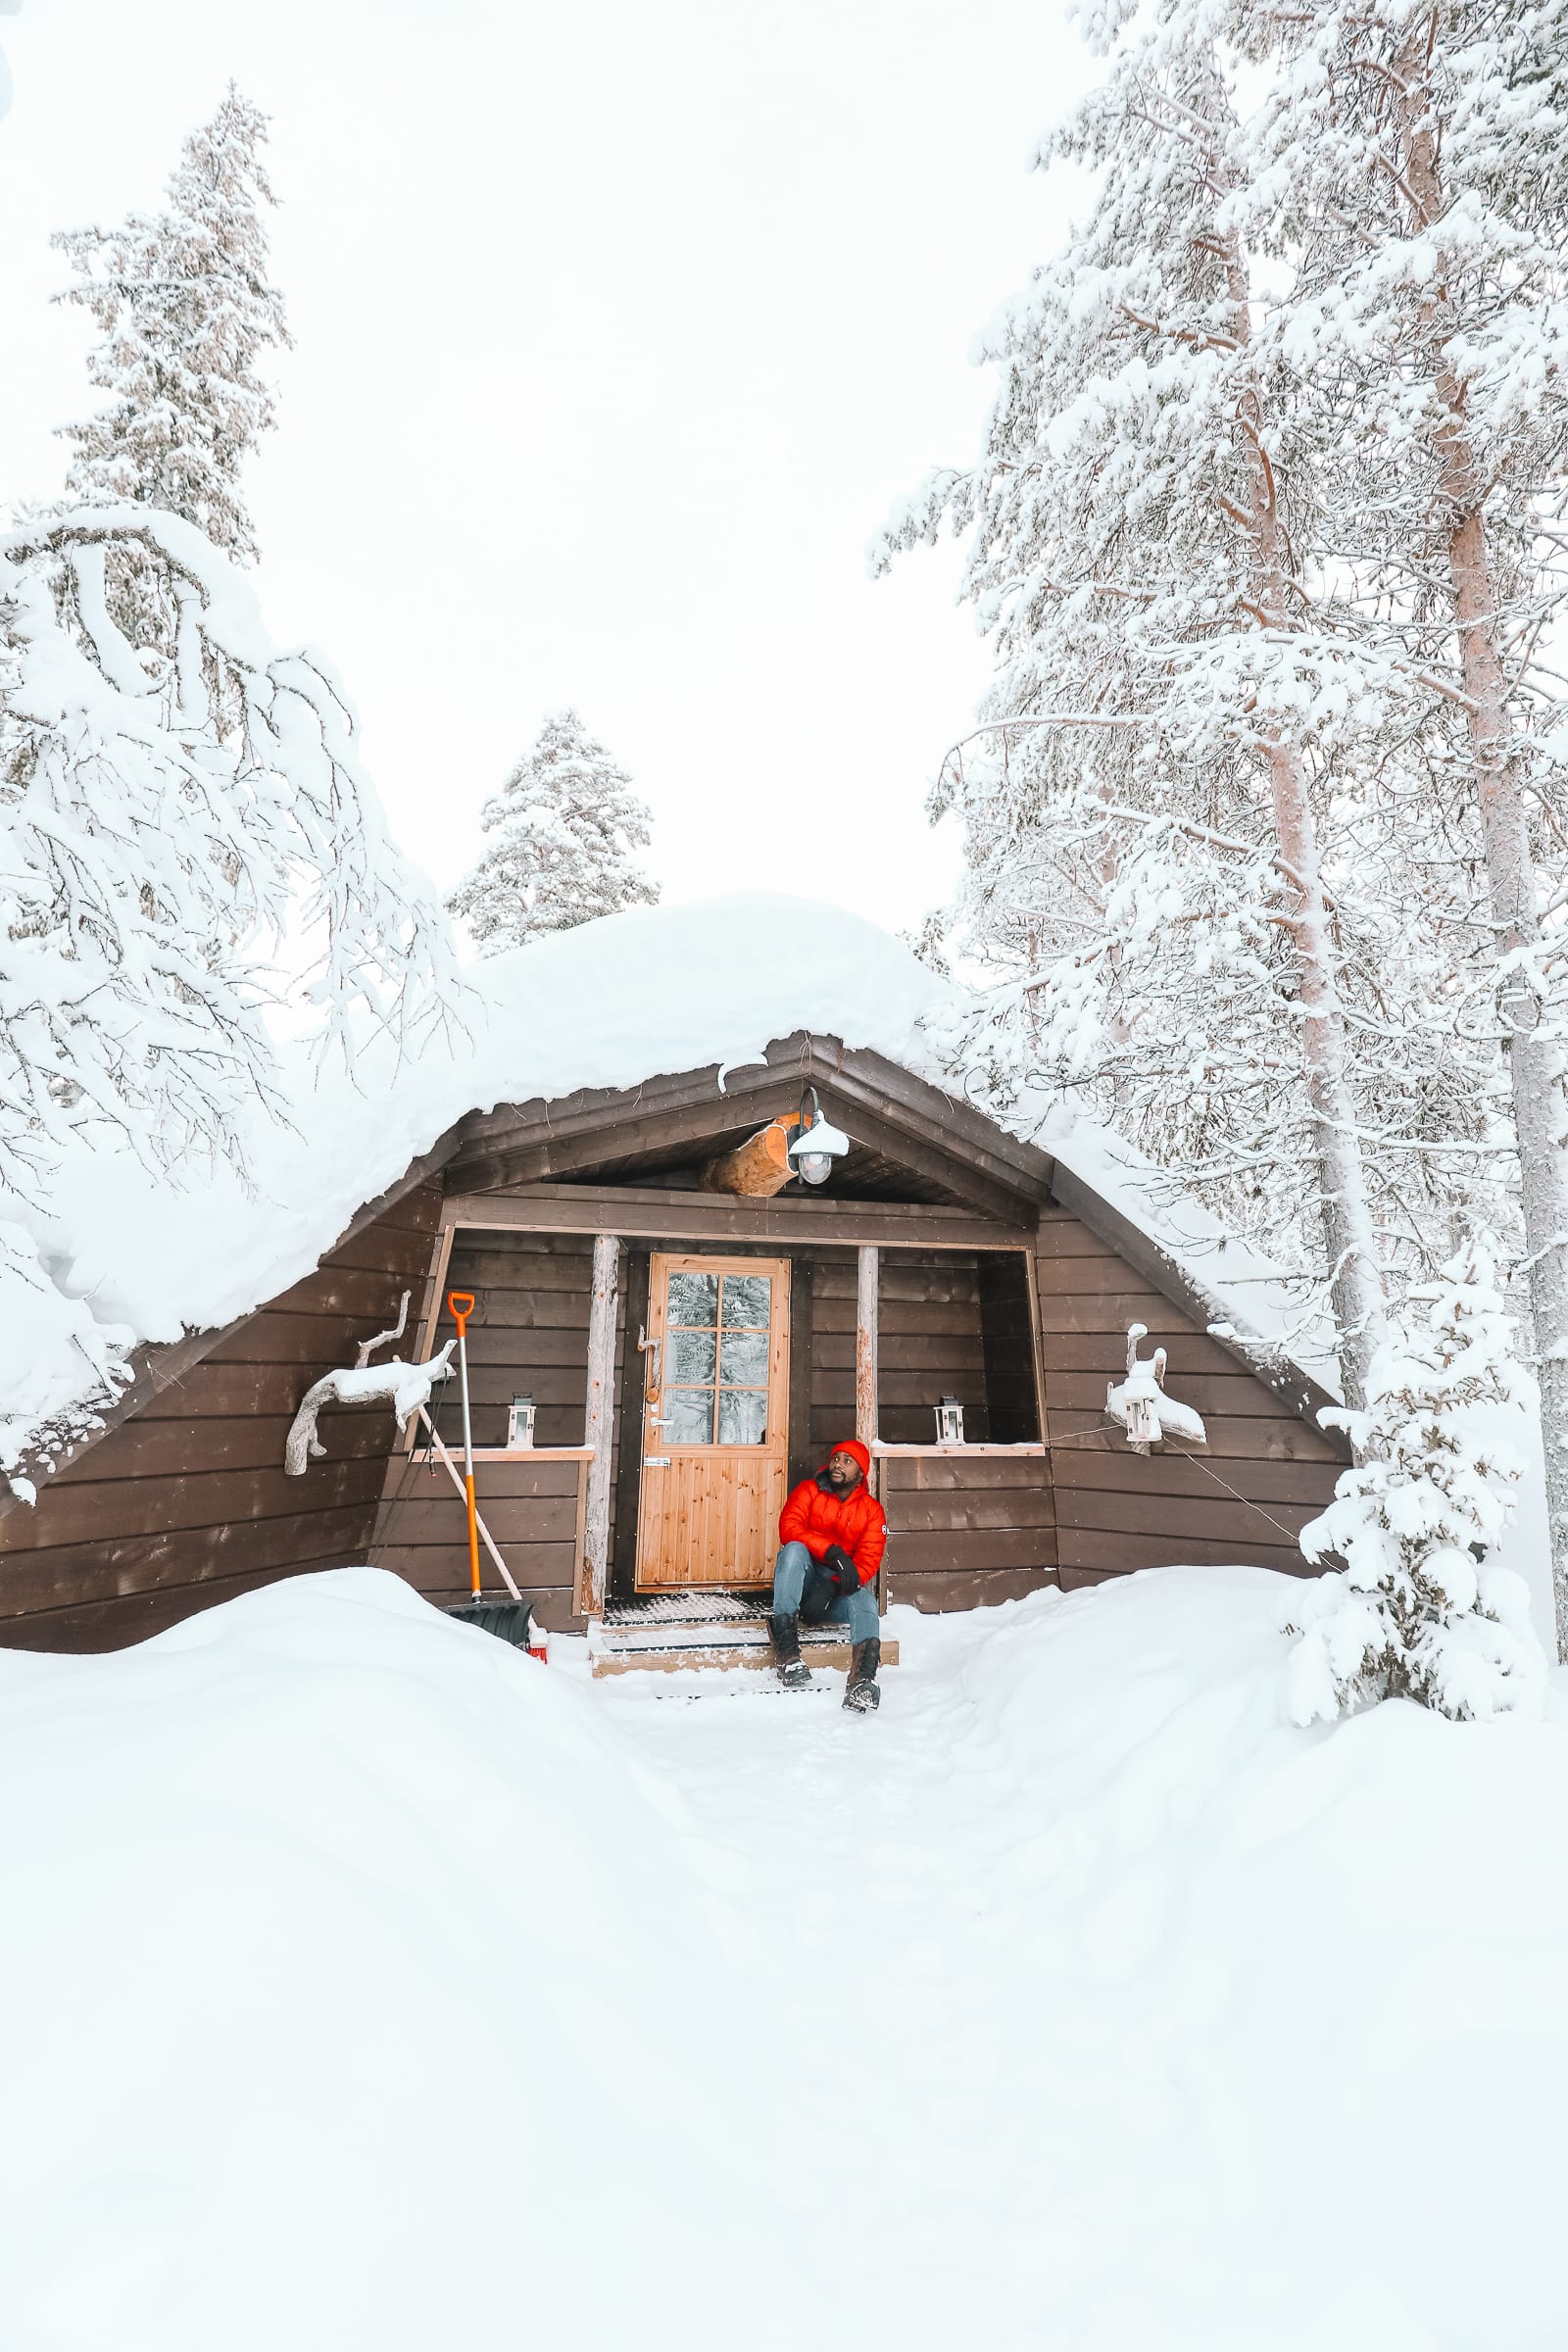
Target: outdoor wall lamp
<point>816,1144</point>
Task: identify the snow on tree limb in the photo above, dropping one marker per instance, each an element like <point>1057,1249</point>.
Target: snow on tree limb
<point>1215,518</point>
<point>404,1387</point>
<point>179,801</point>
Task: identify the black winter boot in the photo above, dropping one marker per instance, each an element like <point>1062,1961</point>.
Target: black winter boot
<point>793,1671</point>
<point>860,1691</point>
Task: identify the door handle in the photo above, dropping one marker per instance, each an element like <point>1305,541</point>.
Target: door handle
<point>655,1461</point>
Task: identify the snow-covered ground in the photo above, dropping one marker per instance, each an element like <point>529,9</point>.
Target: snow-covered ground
<point>368,1986</point>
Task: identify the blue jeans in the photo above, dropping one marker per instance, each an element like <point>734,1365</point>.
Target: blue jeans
<point>857,1611</point>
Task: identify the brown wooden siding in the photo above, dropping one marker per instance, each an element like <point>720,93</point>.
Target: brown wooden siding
<point>950,1324</point>
<point>531,1509</point>
<point>964,1531</point>
<point>187,1503</point>
<point>530,1332</point>
<point>1243,1498</point>
<point>528,1335</point>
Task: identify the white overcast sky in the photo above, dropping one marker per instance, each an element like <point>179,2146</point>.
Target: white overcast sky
<point>619,327</point>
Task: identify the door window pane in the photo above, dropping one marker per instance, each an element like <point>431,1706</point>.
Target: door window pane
<point>744,1362</point>
<point>742,1416</point>
<point>748,1301</point>
<point>691,1357</point>
<point>693,1301</point>
<point>690,1415</point>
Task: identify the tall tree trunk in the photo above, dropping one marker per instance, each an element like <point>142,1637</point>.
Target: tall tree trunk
<point>1534,1068</point>
<point>1349,1231</point>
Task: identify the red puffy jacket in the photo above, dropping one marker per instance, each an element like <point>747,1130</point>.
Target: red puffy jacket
<point>817,1515</point>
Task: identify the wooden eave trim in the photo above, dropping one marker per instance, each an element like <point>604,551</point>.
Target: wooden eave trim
<point>663,1214</point>
<point>936,1132</point>
<point>1289,1380</point>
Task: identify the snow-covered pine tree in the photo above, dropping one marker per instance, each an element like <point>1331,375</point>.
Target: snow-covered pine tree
<point>1423,149</point>
<point>1418,1612</point>
<point>168,816</point>
<point>1138,523</point>
<point>186,312</point>
<point>566,824</point>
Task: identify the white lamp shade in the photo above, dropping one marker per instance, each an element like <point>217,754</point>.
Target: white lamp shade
<point>820,1142</point>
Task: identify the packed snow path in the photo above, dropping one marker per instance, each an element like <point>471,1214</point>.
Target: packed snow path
<point>374,1987</point>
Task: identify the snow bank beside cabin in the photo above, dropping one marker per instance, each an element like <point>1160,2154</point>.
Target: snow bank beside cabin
<point>326,1920</point>
<point>382,1989</point>
<point>124,1256</point>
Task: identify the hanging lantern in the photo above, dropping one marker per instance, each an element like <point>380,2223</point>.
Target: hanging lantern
<point>815,1144</point>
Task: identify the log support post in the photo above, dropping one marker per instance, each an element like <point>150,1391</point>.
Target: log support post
<point>865,1428</point>
<point>601,1409</point>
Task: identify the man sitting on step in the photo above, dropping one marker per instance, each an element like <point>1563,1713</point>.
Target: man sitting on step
<point>832,1534</point>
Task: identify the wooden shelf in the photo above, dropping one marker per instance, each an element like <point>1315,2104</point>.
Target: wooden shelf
<point>523,1454</point>
<point>1031,1446</point>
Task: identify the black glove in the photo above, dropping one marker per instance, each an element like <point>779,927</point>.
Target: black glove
<point>840,1568</point>
<point>818,1592</point>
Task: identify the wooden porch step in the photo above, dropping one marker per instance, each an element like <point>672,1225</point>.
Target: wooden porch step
<point>723,1647</point>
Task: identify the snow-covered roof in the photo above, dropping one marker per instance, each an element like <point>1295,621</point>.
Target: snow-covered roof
<point>1250,1295</point>
<point>124,1256</point>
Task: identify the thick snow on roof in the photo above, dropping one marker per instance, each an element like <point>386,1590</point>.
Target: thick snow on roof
<point>124,1257</point>
<point>1250,1293</point>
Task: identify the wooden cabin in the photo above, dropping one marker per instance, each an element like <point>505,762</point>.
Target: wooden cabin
<point>692,1336</point>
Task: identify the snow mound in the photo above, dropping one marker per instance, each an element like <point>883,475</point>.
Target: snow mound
<point>122,1257</point>
<point>328,1917</point>
<point>383,1988</point>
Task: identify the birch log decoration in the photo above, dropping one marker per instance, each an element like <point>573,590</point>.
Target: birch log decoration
<point>367,1347</point>
<point>866,1300</point>
<point>601,1390</point>
<point>756,1169</point>
<point>404,1387</point>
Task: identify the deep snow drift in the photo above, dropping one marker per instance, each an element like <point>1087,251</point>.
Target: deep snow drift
<point>373,1986</point>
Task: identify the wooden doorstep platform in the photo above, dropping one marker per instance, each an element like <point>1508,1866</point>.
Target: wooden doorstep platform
<point>721,1641</point>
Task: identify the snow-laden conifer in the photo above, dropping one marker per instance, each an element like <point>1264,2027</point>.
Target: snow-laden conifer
<point>1147,876</point>
<point>567,825</point>
<point>175,808</point>
<point>187,314</point>
<point>1421,152</point>
<point>1418,1611</point>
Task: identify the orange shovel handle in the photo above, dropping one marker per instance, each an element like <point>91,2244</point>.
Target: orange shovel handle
<point>460,1307</point>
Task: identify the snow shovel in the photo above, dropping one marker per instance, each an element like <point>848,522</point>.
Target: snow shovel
<point>509,1620</point>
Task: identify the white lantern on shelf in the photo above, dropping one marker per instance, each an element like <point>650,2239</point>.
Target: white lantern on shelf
<point>950,1422</point>
<point>519,1425</point>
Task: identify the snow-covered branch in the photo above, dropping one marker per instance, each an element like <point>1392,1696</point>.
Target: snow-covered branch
<point>179,801</point>
<point>404,1387</point>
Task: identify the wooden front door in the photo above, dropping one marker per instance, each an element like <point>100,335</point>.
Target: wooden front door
<point>715,1435</point>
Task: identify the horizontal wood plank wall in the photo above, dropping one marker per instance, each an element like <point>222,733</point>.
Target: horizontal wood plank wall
<point>1244,1497</point>
<point>529,1337</point>
<point>531,1509</point>
<point>967,1530</point>
<point>187,1503</point>
<point>930,1345</point>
